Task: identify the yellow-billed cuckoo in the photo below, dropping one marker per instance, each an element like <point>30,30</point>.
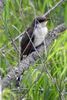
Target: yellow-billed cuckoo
<point>34,34</point>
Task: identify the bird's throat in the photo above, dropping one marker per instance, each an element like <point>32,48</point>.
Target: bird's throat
<point>40,34</point>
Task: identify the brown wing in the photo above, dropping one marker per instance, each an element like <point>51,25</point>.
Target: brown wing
<point>26,45</point>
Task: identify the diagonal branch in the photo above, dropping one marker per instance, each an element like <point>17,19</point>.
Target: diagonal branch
<point>25,64</point>
<point>50,10</point>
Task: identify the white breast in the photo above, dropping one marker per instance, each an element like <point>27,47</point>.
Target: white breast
<point>40,33</point>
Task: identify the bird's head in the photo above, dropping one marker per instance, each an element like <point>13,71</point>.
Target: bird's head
<point>40,21</point>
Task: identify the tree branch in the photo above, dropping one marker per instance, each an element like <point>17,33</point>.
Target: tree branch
<point>25,64</point>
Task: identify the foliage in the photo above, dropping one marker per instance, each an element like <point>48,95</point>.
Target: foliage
<point>7,93</point>
<point>46,80</point>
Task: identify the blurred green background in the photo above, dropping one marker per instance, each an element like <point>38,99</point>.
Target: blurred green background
<point>15,17</point>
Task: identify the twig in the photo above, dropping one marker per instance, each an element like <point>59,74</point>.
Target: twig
<point>11,41</point>
<point>50,10</point>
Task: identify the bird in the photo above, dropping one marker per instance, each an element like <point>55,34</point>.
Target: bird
<point>33,36</point>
